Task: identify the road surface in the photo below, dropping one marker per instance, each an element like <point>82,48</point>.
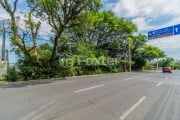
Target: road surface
<point>124,96</point>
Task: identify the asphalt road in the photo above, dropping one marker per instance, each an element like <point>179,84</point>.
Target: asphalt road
<point>124,96</point>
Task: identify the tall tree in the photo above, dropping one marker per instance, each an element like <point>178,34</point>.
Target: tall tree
<point>144,53</point>
<point>107,32</point>
<point>62,15</point>
<point>20,36</point>
<point>166,62</point>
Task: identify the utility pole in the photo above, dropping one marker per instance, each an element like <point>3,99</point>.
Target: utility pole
<point>3,43</point>
<point>7,57</point>
<point>129,56</point>
<point>128,40</point>
<point>157,64</point>
<point>3,29</point>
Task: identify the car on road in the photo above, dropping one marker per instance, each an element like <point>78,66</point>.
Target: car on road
<point>166,70</point>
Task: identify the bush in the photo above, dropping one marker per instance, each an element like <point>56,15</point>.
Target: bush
<point>116,70</point>
<point>99,71</point>
<point>12,74</point>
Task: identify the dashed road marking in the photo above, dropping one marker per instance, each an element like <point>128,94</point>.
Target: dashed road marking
<point>160,83</point>
<point>127,79</point>
<point>36,114</point>
<point>81,90</point>
<point>125,115</point>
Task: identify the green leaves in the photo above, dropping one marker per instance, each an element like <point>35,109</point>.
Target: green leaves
<point>151,52</point>
<point>79,28</point>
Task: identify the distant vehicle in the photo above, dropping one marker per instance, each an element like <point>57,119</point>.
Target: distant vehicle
<point>166,70</point>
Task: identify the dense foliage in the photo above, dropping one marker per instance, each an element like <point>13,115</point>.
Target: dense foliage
<point>169,62</point>
<point>83,40</point>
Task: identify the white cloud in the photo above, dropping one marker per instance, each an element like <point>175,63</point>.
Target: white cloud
<point>150,15</point>
<point>133,8</point>
<point>171,45</point>
<point>3,14</point>
<point>141,23</point>
<point>140,10</point>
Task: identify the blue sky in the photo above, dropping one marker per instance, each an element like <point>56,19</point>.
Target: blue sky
<point>148,15</point>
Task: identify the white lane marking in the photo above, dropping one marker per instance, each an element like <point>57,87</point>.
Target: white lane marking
<point>160,83</point>
<point>29,115</point>
<point>167,78</point>
<point>81,90</point>
<point>58,83</point>
<point>37,112</point>
<point>125,115</point>
<point>127,79</point>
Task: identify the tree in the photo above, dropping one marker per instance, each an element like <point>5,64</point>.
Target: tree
<point>78,28</point>
<point>141,52</point>
<point>19,36</point>
<point>152,52</point>
<point>62,15</point>
<point>166,62</point>
<point>107,32</point>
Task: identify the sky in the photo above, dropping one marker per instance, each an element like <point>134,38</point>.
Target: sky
<point>148,15</point>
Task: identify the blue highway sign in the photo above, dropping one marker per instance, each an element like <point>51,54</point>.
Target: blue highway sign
<point>164,32</point>
<point>159,33</point>
<point>177,29</point>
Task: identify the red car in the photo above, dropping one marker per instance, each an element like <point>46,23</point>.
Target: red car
<point>166,70</point>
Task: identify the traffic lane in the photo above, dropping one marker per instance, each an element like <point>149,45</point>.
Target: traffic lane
<point>163,106</point>
<point>153,96</point>
<point>24,100</point>
<point>108,106</point>
<point>63,86</point>
<point>75,99</point>
<point>174,75</point>
<point>167,107</point>
<point>81,100</point>
<point>166,78</point>
<point>85,79</point>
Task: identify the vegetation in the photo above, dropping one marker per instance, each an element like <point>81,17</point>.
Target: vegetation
<point>83,40</point>
<point>169,62</point>
<point>12,75</point>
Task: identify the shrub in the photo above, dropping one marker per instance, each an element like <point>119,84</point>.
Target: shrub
<point>116,70</point>
<point>12,74</point>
